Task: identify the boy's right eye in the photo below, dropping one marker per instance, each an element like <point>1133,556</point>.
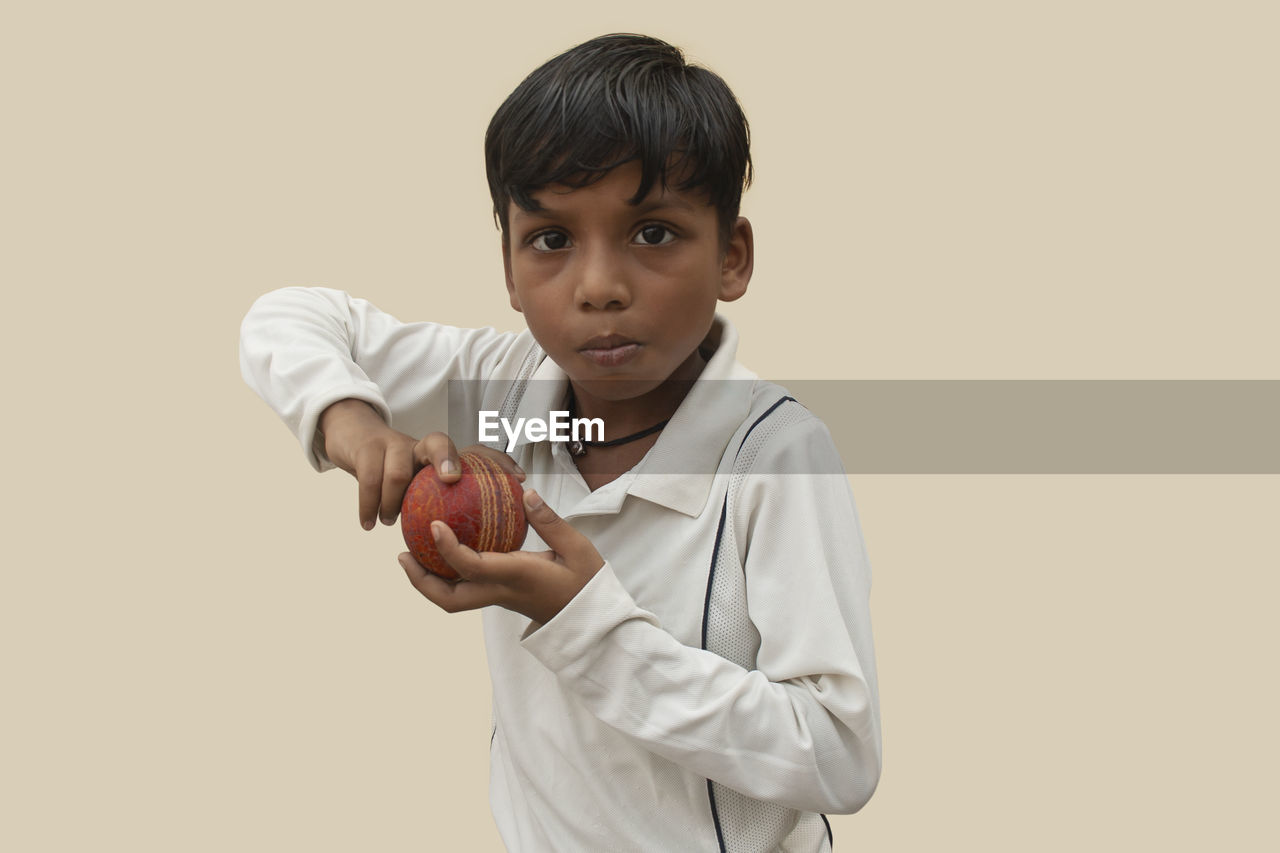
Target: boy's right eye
<point>549,241</point>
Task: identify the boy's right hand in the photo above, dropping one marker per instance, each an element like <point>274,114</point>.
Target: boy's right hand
<point>384,461</point>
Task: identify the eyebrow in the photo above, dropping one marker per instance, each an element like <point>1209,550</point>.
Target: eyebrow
<point>648,205</point>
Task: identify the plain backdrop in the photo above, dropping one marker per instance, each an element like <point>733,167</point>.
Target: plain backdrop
<point>201,649</point>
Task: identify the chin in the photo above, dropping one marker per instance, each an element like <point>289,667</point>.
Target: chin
<point>617,388</point>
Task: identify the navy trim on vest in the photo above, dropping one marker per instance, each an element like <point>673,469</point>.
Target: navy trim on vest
<point>830,841</point>
<point>715,554</point>
<point>715,816</point>
<point>706,606</point>
<point>766,414</point>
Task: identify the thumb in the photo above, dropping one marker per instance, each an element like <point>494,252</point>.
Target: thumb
<point>554,530</point>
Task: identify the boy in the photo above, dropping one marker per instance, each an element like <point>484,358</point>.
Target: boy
<point>689,665</point>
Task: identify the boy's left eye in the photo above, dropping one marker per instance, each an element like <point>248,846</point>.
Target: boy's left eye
<point>654,235</point>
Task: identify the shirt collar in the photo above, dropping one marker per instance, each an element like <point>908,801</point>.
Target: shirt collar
<point>696,437</point>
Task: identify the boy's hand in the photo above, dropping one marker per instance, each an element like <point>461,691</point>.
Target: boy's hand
<point>535,583</point>
<point>384,461</point>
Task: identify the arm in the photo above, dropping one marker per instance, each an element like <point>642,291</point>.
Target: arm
<point>304,349</point>
<point>357,386</point>
<point>802,729</point>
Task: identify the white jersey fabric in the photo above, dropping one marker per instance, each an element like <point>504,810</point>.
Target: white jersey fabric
<point>615,728</point>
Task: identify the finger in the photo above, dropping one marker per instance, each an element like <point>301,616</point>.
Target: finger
<point>369,484</point>
<point>397,471</point>
<point>505,462</point>
<point>468,563</point>
<point>437,450</point>
<point>556,532</point>
<point>450,597</point>
<point>488,567</point>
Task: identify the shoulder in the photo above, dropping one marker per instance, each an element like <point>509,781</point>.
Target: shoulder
<point>780,435</point>
<point>789,507</point>
<point>787,473</point>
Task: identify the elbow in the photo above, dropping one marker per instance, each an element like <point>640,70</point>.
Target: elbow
<point>858,792</point>
<point>852,783</point>
<point>287,298</point>
<point>843,755</point>
<point>263,312</point>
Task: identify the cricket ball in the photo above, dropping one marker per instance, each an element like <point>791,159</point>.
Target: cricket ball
<point>484,509</point>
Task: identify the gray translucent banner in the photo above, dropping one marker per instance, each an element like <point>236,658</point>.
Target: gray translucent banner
<point>975,426</point>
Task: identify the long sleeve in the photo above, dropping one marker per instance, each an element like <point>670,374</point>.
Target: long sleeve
<point>303,349</point>
<point>802,729</point>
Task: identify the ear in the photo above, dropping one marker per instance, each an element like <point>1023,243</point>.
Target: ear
<point>738,262</point>
<point>506,268</point>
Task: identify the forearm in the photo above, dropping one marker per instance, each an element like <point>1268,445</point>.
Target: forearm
<point>296,353</point>
<point>809,743</point>
<point>304,349</point>
<point>345,416</point>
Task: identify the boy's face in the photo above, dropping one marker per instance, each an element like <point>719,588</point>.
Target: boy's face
<point>620,295</point>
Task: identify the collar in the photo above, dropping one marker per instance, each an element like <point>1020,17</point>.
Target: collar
<point>695,439</point>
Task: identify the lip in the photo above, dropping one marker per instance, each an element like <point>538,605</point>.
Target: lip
<point>610,350</point>
<point>600,342</point>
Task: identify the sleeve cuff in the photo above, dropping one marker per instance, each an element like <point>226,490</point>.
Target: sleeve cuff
<point>582,624</point>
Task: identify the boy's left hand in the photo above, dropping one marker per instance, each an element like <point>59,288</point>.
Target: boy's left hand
<point>535,583</point>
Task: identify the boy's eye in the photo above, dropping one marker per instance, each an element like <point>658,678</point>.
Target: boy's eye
<point>655,235</point>
<point>549,241</point>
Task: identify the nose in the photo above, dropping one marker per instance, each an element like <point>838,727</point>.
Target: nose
<point>602,280</point>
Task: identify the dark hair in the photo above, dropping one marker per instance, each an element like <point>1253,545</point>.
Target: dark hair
<point>609,101</point>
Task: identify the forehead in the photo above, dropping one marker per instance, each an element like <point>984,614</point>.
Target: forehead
<point>614,192</point>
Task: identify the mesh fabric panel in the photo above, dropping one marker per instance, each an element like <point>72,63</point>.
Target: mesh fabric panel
<point>748,825</point>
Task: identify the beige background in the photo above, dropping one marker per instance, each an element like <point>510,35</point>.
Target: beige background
<point>202,651</point>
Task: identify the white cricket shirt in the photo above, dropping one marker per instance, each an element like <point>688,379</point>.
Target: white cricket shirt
<point>611,718</point>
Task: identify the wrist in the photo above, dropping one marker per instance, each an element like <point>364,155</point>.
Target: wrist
<point>344,411</point>
<point>340,419</point>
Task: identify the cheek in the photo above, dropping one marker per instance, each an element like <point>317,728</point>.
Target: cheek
<point>542,311</point>
<point>533,282</point>
<point>693,270</point>
<point>695,287</point>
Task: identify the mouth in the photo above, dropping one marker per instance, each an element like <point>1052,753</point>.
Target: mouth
<point>610,350</point>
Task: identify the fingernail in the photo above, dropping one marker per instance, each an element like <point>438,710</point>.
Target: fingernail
<point>447,467</point>
<point>435,530</point>
<point>534,499</point>
<point>367,525</point>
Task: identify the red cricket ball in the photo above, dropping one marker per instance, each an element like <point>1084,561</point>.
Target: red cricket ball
<point>485,510</point>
